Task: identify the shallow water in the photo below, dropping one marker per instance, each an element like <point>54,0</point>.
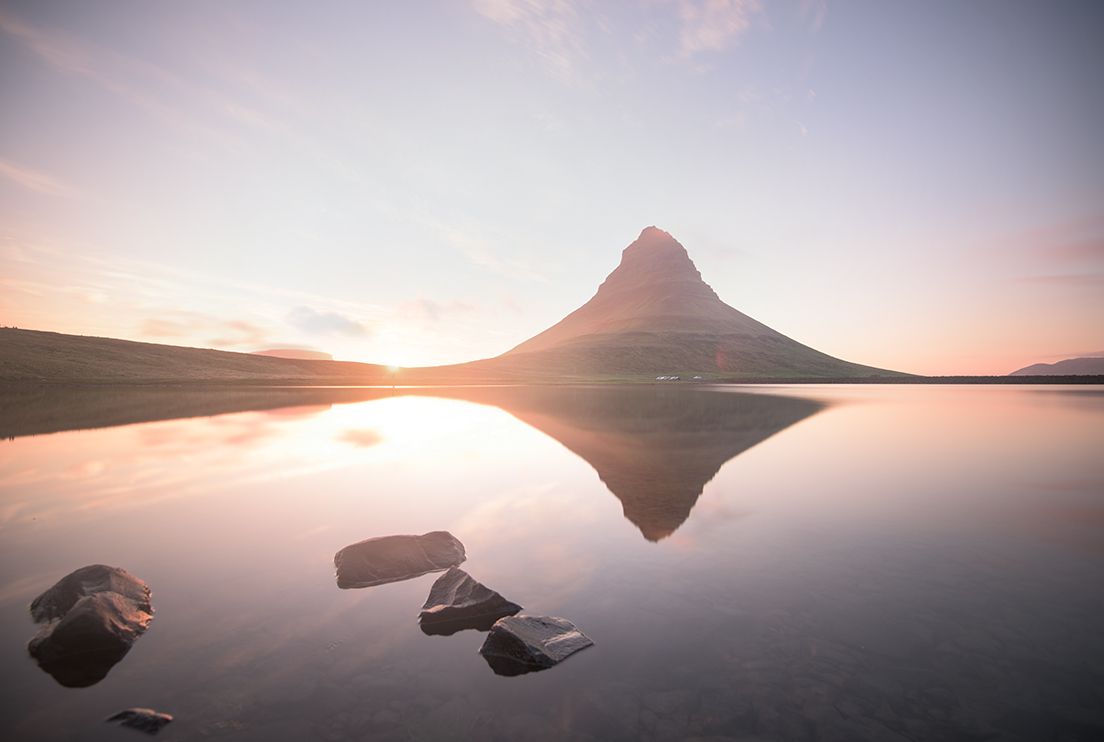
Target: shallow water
<point>806,563</point>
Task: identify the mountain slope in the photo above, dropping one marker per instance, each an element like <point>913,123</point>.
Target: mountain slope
<point>1069,367</point>
<point>655,315</point>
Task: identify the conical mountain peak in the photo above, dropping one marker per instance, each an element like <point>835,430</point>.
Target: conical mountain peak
<point>655,315</point>
<point>654,238</point>
<point>657,255</point>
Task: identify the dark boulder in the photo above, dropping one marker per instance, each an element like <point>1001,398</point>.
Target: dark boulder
<point>144,720</point>
<point>378,561</point>
<point>90,618</point>
<point>521,644</point>
<point>456,602</point>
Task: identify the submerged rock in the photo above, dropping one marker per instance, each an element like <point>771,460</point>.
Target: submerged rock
<point>378,561</point>
<point>90,618</point>
<point>521,644</point>
<point>144,720</point>
<point>456,602</point>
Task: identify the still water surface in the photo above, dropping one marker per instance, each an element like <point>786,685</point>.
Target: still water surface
<point>775,563</point>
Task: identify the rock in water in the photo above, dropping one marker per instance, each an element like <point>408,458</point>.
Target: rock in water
<point>378,561</point>
<point>521,644</point>
<point>456,602</point>
<point>144,720</point>
<point>90,619</point>
<point>95,578</point>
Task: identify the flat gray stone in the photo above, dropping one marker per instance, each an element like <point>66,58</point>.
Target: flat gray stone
<point>90,619</point>
<point>142,719</point>
<point>456,602</point>
<point>521,644</point>
<point>378,561</point>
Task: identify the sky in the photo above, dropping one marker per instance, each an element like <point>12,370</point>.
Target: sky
<point>916,186</point>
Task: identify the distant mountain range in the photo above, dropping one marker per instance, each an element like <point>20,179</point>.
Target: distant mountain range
<point>1092,366</point>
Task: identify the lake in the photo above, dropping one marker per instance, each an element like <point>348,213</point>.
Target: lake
<point>753,563</point>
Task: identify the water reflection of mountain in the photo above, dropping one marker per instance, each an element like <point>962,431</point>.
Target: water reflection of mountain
<point>655,448</point>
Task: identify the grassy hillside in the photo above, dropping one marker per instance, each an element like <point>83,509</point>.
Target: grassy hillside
<point>29,355</point>
<point>35,356</point>
<point>645,355</point>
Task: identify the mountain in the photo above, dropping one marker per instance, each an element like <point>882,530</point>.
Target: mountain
<point>295,354</point>
<point>1069,367</point>
<point>654,315</point>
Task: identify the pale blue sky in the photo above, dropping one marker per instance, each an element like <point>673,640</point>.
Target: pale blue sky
<point>910,185</point>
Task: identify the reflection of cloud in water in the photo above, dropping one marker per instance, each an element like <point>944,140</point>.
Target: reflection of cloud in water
<point>297,411</point>
<point>516,523</point>
<point>83,470</point>
<point>362,438</point>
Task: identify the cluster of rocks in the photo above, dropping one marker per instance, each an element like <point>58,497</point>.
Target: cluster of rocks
<point>90,619</point>
<point>515,644</point>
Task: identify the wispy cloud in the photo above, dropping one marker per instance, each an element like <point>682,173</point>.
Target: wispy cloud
<point>34,180</point>
<point>484,253</point>
<point>325,323</point>
<point>435,311</point>
<point>58,52</point>
<point>241,333</point>
<point>713,25</point>
<point>159,327</point>
<point>558,30</point>
<point>1088,250</point>
<point>185,325</point>
<point>813,13</point>
<point>147,86</point>
<point>552,28</point>
<point>1069,280</point>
